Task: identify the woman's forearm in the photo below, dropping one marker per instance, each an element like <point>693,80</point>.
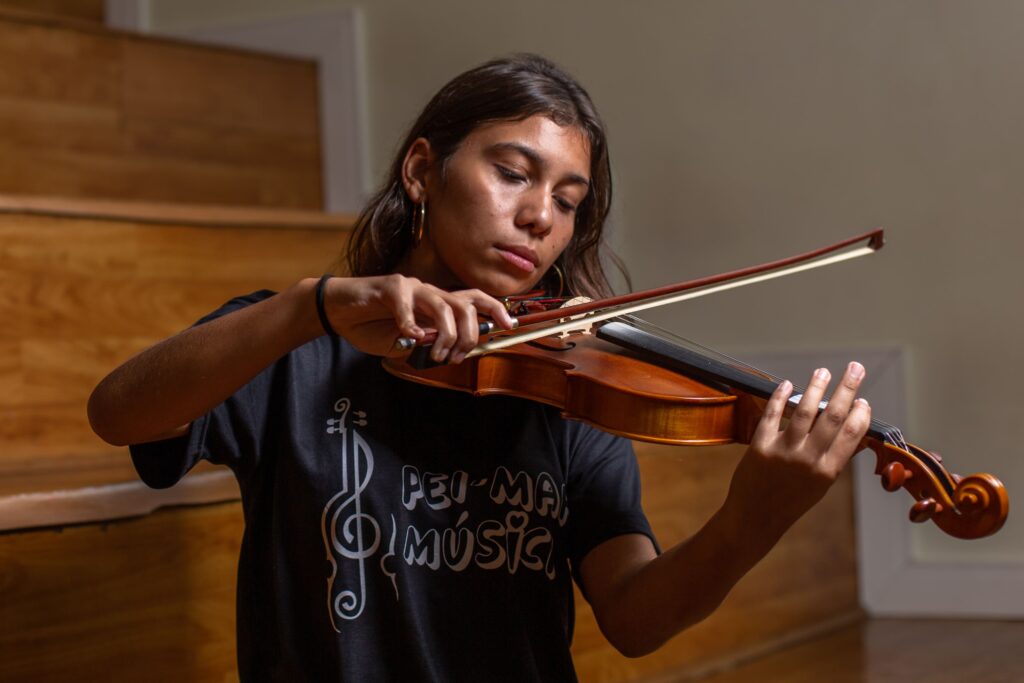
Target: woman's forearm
<point>160,391</point>
<point>683,585</point>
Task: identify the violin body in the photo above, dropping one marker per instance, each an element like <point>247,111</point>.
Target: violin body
<point>642,387</point>
<point>596,382</point>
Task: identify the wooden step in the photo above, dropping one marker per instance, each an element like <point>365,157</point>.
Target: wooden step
<point>91,12</point>
<point>93,112</point>
<point>151,599</point>
<point>88,284</point>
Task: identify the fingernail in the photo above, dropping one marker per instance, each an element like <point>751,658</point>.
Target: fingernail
<point>864,402</point>
<point>821,373</point>
<point>855,369</point>
<point>439,354</point>
<point>786,386</point>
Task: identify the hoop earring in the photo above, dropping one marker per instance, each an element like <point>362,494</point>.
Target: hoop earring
<point>419,223</point>
<point>561,280</point>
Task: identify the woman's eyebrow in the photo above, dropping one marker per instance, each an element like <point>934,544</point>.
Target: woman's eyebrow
<point>535,158</point>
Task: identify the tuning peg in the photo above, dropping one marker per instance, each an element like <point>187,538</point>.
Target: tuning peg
<point>894,475</point>
<point>923,510</point>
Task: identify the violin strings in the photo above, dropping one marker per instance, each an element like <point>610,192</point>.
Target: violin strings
<point>891,433</point>
<point>696,346</point>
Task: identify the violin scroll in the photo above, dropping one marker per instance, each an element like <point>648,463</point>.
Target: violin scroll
<point>963,507</point>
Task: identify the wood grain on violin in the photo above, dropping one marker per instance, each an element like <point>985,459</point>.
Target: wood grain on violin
<point>596,382</point>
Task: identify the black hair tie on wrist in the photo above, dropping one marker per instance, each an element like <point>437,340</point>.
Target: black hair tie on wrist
<point>320,310</point>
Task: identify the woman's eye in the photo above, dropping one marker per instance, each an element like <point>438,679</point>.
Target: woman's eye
<point>565,204</point>
<point>510,174</point>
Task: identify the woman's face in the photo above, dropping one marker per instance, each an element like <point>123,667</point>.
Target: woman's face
<point>504,208</point>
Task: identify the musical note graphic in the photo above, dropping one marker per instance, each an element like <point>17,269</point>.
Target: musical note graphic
<point>348,532</point>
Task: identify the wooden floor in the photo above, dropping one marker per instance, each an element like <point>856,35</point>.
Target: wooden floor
<point>895,651</point>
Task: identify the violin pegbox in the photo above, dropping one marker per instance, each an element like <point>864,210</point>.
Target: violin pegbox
<point>584,326</point>
<point>963,507</point>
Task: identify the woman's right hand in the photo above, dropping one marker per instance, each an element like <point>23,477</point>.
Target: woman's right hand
<point>371,313</point>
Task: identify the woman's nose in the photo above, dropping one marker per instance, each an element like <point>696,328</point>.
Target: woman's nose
<point>537,212</point>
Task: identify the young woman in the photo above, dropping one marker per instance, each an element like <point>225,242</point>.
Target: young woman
<point>452,526</point>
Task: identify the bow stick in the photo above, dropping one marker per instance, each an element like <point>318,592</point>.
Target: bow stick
<point>572,317</point>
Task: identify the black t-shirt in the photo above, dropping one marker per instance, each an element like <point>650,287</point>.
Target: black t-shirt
<point>396,532</point>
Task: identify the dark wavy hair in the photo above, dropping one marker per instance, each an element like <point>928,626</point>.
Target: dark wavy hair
<point>507,89</point>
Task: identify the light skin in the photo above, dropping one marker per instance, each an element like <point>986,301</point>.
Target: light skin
<point>498,216</point>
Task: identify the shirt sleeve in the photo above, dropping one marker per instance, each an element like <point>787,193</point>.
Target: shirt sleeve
<point>228,435</point>
<point>603,492</point>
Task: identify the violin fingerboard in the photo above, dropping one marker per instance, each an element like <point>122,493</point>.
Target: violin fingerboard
<point>663,352</point>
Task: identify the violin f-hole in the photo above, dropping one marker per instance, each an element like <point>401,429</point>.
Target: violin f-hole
<point>552,344</point>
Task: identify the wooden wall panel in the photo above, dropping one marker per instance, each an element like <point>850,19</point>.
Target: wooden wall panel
<point>88,112</point>
<point>151,599</point>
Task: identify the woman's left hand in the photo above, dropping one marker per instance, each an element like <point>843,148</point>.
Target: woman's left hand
<point>786,471</point>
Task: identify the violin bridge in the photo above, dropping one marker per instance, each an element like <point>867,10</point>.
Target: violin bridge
<point>584,327</point>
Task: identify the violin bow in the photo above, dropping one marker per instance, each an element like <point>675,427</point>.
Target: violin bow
<point>585,314</point>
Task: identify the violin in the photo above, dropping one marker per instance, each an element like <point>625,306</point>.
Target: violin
<point>626,378</point>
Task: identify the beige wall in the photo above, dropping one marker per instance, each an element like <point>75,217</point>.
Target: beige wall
<point>743,131</point>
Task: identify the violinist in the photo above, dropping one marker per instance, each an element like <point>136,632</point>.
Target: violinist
<point>400,532</point>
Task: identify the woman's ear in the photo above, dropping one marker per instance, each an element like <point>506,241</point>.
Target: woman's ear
<point>418,160</point>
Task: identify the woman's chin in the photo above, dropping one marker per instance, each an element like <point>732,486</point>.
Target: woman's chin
<point>498,285</point>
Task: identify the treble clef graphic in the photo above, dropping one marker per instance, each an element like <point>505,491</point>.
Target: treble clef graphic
<point>357,535</point>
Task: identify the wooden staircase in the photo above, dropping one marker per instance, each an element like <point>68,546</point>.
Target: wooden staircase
<point>143,182</point>
<point>91,112</point>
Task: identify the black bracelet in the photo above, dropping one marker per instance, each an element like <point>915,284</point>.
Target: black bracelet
<point>320,310</point>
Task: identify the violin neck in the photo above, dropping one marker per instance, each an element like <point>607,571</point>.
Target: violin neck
<point>712,371</point>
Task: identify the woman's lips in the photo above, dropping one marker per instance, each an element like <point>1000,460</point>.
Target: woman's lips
<point>518,258</point>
